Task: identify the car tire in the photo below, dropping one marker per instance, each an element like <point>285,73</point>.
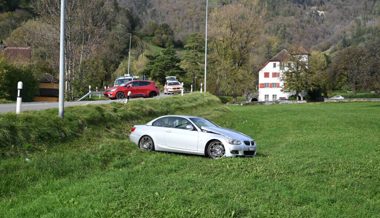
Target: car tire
<point>152,94</point>
<point>215,149</point>
<point>146,143</point>
<point>120,95</point>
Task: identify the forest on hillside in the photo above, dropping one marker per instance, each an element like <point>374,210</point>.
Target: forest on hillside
<point>342,37</point>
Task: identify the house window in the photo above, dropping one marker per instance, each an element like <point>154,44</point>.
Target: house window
<point>266,97</point>
<point>274,97</point>
<point>274,65</point>
<point>266,75</point>
<point>275,75</point>
<point>274,85</point>
<point>266,85</point>
<point>282,65</point>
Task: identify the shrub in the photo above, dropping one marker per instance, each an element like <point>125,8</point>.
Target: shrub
<point>9,77</point>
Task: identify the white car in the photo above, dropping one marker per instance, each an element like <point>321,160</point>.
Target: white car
<point>173,87</point>
<point>191,135</point>
<point>337,97</point>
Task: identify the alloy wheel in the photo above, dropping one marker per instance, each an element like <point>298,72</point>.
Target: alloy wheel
<point>216,150</point>
<point>146,143</point>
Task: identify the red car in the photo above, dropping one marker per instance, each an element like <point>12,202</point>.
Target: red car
<point>138,88</point>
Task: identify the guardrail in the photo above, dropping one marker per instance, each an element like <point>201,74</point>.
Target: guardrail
<point>90,93</point>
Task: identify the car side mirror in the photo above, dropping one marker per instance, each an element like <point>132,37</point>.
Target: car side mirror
<point>190,127</point>
<point>129,86</point>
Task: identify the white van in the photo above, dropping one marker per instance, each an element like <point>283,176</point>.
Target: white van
<point>124,80</point>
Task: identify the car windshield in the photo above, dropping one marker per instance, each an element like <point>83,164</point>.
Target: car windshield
<point>122,81</point>
<point>200,122</point>
<point>173,83</point>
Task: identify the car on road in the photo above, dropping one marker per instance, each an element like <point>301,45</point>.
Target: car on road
<point>173,87</point>
<point>136,88</point>
<point>337,97</point>
<point>123,80</point>
<point>192,135</point>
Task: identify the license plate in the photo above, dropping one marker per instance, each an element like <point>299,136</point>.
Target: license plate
<point>251,149</point>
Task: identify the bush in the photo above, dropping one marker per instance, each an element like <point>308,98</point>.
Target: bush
<point>231,100</point>
<point>9,77</point>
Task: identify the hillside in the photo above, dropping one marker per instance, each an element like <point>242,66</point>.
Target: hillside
<point>310,23</point>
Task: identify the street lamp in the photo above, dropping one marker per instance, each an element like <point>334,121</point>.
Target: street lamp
<point>129,53</point>
<point>62,61</point>
<point>206,44</point>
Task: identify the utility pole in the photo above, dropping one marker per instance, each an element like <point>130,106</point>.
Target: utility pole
<point>206,44</point>
<point>129,53</point>
<point>62,61</point>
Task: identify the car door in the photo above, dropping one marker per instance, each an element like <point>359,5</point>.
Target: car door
<point>135,88</point>
<point>144,87</point>
<point>179,138</point>
<point>158,132</point>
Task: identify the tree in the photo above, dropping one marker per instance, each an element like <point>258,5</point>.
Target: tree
<point>350,68</point>
<point>164,64</point>
<point>9,77</point>
<point>193,59</point>
<point>320,78</point>
<point>94,29</point>
<point>298,77</point>
<point>234,32</point>
<point>163,36</point>
<point>33,34</point>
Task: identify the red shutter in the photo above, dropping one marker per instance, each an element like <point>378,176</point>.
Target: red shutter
<point>270,85</point>
<point>266,75</point>
<point>278,85</point>
<point>261,85</point>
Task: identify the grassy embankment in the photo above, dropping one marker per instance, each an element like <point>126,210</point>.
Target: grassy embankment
<point>315,160</point>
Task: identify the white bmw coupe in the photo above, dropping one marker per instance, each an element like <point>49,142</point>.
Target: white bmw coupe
<point>191,135</point>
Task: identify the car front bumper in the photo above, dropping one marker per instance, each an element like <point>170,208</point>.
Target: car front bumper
<point>110,95</point>
<point>240,151</point>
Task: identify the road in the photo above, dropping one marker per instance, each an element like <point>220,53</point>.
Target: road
<point>34,106</point>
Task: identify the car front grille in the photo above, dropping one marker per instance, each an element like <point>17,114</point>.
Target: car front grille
<point>250,153</point>
<point>248,143</point>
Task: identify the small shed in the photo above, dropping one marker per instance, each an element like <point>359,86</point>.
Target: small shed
<point>48,89</point>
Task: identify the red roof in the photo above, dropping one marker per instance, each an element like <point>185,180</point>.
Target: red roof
<point>18,54</point>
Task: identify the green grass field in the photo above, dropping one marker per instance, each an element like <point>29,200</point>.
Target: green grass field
<point>314,160</point>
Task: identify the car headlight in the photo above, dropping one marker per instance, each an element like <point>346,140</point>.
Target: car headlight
<point>234,142</point>
<point>112,90</point>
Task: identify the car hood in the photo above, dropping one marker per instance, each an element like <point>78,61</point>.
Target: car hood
<point>229,133</point>
<point>174,86</point>
<point>110,88</point>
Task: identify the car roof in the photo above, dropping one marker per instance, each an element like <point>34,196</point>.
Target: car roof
<point>183,116</point>
<point>140,81</point>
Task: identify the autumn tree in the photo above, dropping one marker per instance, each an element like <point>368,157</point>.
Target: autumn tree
<point>94,28</point>
<point>298,76</point>
<point>163,36</point>
<point>320,79</point>
<point>234,32</point>
<point>350,66</point>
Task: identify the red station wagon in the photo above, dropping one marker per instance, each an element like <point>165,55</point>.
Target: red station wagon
<point>138,88</point>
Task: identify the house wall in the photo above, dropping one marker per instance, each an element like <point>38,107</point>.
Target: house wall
<point>277,90</point>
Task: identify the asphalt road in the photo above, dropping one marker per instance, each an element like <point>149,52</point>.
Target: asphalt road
<point>34,106</point>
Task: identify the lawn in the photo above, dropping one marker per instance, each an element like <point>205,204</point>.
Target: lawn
<point>314,160</point>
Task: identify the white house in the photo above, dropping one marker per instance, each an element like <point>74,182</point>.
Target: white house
<point>271,84</point>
